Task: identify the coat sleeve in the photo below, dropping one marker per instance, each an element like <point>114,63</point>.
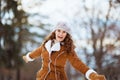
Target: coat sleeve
<point>77,63</point>
<point>34,54</point>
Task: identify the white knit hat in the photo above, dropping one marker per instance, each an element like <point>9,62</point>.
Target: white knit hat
<point>63,26</point>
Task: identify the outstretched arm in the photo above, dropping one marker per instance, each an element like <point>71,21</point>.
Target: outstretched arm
<point>32,55</point>
<point>79,65</point>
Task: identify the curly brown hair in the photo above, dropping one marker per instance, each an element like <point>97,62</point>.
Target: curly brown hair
<point>68,42</point>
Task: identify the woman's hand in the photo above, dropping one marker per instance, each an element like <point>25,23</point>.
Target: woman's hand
<point>25,59</point>
<point>94,76</point>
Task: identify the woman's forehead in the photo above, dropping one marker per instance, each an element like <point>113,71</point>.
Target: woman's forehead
<point>61,30</point>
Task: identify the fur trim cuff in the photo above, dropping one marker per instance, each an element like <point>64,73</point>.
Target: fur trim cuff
<point>28,57</point>
<point>87,74</point>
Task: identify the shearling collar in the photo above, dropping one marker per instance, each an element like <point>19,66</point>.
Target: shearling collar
<point>55,47</point>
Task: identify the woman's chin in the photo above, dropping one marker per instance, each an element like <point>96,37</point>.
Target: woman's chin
<point>59,40</point>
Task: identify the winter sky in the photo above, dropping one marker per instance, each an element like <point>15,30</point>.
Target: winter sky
<point>58,10</point>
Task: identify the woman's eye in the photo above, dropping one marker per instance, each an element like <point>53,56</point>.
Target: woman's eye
<point>64,32</point>
<point>58,30</point>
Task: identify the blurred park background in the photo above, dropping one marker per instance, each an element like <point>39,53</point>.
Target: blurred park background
<point>95,26</point>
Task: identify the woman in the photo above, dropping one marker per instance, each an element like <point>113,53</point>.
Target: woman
<point>57,48</point>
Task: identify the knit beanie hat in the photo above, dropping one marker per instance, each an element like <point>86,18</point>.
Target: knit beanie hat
<point>63,26</point>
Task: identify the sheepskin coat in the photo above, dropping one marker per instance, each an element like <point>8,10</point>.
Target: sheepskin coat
<point>54,60</point>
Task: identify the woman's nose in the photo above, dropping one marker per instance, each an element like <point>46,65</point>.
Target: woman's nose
<point>61,33</point>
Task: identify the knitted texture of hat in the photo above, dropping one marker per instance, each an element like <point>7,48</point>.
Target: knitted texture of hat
<point>63,26</point>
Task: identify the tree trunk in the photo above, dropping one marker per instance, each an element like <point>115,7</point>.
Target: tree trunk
<point>18,74</point>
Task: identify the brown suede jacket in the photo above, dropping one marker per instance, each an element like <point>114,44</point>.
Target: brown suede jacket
<point>53,64</point>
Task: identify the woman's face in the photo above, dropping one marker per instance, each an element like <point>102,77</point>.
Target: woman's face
<point>60,35</point>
